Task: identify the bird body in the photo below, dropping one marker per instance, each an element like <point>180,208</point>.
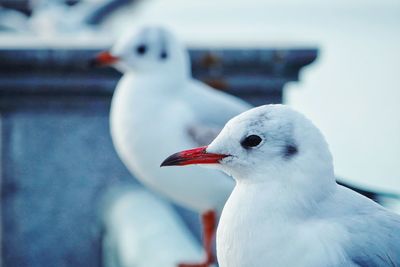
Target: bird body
<point>286,208</point>
<point>347,233</point>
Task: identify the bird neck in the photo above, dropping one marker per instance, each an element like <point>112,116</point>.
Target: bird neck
<point>167,73</point>
<point>295,193</point>
<point>149,85</point>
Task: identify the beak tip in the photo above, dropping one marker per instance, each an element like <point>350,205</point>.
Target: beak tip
<point>171,160</point>
<point>103,59</point>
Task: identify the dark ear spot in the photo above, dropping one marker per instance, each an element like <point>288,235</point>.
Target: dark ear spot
<point>289,151</point>
<point>164,55</point>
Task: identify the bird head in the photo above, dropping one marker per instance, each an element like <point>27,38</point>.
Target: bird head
<point>151,50</point>
<point>271,142</point>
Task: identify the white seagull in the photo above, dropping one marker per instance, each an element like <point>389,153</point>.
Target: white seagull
<point>158,108</point>
<point>286,208</point>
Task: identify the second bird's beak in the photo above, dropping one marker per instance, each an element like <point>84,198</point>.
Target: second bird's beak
<point>193,156</point>
<point>102,59</point>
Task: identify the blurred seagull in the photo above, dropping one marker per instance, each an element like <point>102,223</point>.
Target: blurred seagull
<point>286,208</point>
<point>157,108</point>
<point>13,21</point>
<point>56,17</point>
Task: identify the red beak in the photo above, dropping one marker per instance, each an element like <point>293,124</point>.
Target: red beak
<point>103,59</point>
<point>193,156</point>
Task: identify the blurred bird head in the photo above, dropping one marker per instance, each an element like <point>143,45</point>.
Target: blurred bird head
<point>267,143</point>
<point>152,50</point>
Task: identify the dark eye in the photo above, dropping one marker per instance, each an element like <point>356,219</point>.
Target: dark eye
<point>251,141</point>
<point>141,49</point>
<point>163,55</point>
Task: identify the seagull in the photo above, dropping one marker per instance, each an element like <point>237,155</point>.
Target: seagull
<point>286,208</point>
<point>157,108</point>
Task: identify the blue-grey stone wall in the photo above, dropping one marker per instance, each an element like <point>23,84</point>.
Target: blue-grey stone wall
<point>57,165</point>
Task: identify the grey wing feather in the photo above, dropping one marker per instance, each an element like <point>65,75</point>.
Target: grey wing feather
<point>203,135</point>
<point>374,241</point>
<point>212,110</point>
<point>212,106</point>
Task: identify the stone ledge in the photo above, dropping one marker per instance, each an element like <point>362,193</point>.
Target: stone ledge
<point>65,72</point>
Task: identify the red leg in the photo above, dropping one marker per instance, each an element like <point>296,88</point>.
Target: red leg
<point>209,225</point>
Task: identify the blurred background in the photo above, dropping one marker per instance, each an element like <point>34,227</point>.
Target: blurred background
<point>61,181</point>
